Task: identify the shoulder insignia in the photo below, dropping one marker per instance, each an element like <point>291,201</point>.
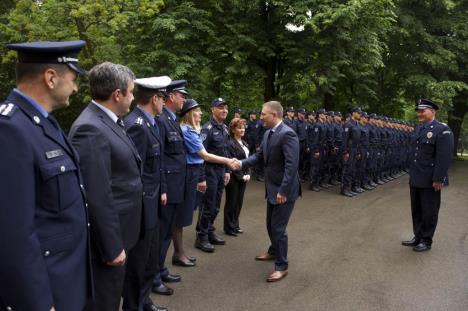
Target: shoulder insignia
<point>209,126</point>
<point>446,132</point>
<point>346,129</point>
<point>139,121</point>
<point>8,109</point>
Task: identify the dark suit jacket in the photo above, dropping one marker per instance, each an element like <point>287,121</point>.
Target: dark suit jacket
<point>236,151</point>
<point>281,161</point>
<point>175,163</point>
<point>110,165</point>
<point>43,222</point>
<point>150,148</point>
<point>432,154</point>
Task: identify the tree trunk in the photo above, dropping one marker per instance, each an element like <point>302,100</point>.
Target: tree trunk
<point>456,116</point>
<point>328,101</point>
<point>270,71</point>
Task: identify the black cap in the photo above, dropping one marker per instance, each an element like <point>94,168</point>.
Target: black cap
<point>301,110</point>
<point>218,102</point>
<point>356,109</point>
<point>237,110</point>
<point>189,104</point>
<point>177,86</point>
<point>321,111</point>
<point>252,112</point>
<point>337,113</point>
<point>424,104</point>
<point>290,109</point>
<point>48,52</point>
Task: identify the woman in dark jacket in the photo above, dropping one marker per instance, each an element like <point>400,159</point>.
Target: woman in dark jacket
<point>236,187</point>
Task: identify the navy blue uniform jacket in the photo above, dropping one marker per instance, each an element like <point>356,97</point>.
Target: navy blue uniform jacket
<point>431,156</point>
<point>281,161</point>
<point>150,147</point>
<point>44,258</point>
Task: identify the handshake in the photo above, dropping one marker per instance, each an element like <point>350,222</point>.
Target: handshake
<point>234,164</point>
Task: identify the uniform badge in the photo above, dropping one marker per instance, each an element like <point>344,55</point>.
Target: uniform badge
<point>429,134</point>
<point>316,129</point>
<point>37,119</point>
<point>54,153</point>
<point>346,129</point>
<point>446,132</point>
<point>139,121</point>
<point>215,133</point>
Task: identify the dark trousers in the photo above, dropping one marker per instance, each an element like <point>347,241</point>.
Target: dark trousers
<point>347,173</point>
<point>277,220</point>
<point>425,204</point>
<point>211,200</point>
<point>315,168</point>
<point>303,159</point>
<point>166,222</point>
<point>235,190</point>
<point>142,267</point>
<point>108,285</point>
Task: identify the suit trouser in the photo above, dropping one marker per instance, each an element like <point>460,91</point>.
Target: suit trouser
<point>211,200</point>
<point>166,221</point>
<point>425,204</point>
<point>108,285</point>
<point>235,190</point>
<point>142,267</point>
<point>277,220</point>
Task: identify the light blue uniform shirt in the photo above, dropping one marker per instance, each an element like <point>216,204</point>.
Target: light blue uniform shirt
<point>193,144</point>
<point>39,108</point>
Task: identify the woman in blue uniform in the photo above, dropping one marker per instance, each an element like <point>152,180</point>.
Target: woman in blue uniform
<point>195,180</point>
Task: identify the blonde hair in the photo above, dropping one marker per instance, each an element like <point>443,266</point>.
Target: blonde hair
<point>189,119</point>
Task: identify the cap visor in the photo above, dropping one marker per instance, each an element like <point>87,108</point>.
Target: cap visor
<point>77,68</point>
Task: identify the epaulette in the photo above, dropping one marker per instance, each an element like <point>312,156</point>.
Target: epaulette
<point>139,121</point>
<point>209,126</point>
<point>7,110</point>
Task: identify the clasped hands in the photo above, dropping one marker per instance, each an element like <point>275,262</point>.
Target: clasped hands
<point>234,164</point>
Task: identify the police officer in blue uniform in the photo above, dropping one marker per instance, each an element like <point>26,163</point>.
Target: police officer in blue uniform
<point>289,118</point>
<point>301,126</point>
<point>173,182</point>
<point>43,215</point>
<point>350,152</point>
<point>215,136</point>
<point>143,263</point>
<point>431,154</point>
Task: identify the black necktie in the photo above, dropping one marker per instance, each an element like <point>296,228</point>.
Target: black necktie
<point>269,137</point>
<point>120,123</point>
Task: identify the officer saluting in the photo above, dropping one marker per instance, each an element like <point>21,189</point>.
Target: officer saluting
<point>432,151</point>
<point>43,221</point>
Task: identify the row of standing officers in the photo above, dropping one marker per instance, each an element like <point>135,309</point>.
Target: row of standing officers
<point>359,151</point>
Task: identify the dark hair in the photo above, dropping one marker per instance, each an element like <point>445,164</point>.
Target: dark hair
<point>143,95</point>
<point>29,71</point>
<point>107,77</point>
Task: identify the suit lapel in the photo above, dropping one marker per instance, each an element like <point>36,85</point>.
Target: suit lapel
<point>116,129</point>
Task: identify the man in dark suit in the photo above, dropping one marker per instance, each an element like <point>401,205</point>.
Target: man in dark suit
<point>43,223</point>
<point>173,183</point>
<point>111,169</point>
<point>279,152</point>
<point>432,152</point>
<point>142,264</point>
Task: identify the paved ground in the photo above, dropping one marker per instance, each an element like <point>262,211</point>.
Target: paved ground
<point>344,253</point>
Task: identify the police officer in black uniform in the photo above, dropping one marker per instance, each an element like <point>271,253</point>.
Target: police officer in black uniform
<point>431,154</point>
<point>289,119</point>
<point>215,136</point>
<point>301,126</point>
<point>43,216</point>
<point>350,152</point>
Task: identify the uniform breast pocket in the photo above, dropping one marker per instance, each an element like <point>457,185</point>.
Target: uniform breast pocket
<point>153,155</point>
<point>427,147</point>
<point>175,143</point>
<point>59,187</point>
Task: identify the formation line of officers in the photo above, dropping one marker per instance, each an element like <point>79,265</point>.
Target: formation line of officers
<point>87,219</point>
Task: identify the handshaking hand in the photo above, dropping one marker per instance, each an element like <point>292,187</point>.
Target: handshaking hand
<point>234,164</point>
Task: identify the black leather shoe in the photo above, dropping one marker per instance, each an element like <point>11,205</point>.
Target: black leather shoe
<point>171,278</point>
<point>373,184</point>
<point>178,262</point>
<point>325,185</point>
<point>239,230</point>
<point>346,193</point>
<point>260,178</point>
<point>230,232</point>
<point>413,242</point>
<point>205,246</point>
<point>153,307</point>
<point>368,187</point>
<point>422,247</point>
<point>314,188</point>
<point>380,182</point>
<point>192,259</point>
<point>162,290</point>
<point>216,240</point>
